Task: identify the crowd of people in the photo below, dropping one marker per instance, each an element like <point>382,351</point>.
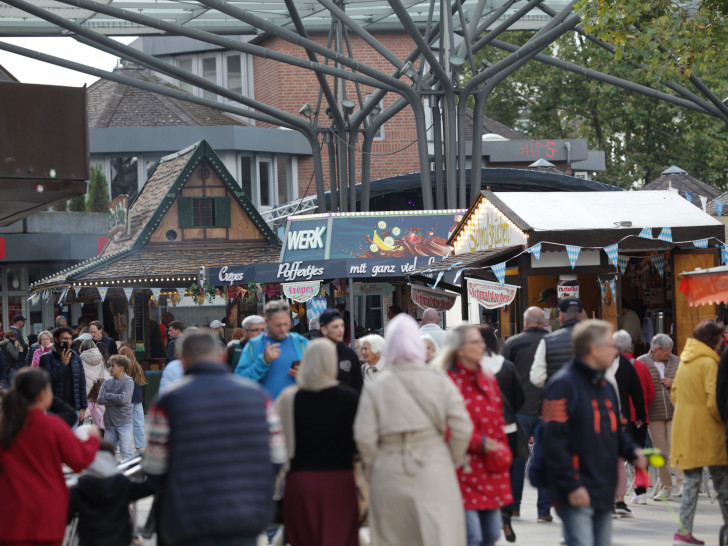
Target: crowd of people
<point>421,434</point>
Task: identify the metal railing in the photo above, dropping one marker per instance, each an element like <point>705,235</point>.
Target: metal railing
<point>276,217</point>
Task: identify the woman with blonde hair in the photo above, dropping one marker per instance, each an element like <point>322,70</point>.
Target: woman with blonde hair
<point>45,342</point>
<point>320,505</point>
<point>94,366</point>
<point>137,374</point>
<point>412,428</point>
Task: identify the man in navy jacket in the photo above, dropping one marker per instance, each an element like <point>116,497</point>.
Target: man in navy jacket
<point>214,440</point>
<point>583,437</point>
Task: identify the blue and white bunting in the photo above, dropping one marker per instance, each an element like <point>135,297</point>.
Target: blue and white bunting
<point>35,297</point>
<point>724,254</point>
<point>623,261</point>
<point>658,260</point>
<point>613,287</point>
<point>718,206</point>
<point>182,291</point>
<point>689,196</point>
<point>156,292</point>
<point>457,276</point>
<point>612,253</point>
<point>601,287</point>
<point>103,290</point>
<point>573,252</point>
<point>535,250</point>
<point>500,272</point>
<point>646,233</point>
<point>665,235</point>
<point>703,203</point>
<point>701,243</point>
<point>63,295</point>
<point>439,278</point>
<point>127,293</point>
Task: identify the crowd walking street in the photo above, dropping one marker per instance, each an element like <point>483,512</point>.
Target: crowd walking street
<point>422,435</point>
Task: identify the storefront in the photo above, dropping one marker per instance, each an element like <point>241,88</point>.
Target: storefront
<point>608,248</point>
<point>189,213</point>
<point>361,259</point>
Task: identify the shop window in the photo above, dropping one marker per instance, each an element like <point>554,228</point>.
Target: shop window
<point>246,176</point>
<point>124,176</point>
<point>198,212</point>
<point>265,181</point>
<point>282,171</point>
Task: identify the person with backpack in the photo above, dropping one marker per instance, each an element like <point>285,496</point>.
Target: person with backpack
<point>581,438</point>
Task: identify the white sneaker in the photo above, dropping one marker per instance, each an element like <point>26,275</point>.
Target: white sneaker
<point>663,496</point>
<point>639,499</point>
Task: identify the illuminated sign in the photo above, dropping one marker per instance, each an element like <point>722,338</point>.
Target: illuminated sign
<point>487,228</point>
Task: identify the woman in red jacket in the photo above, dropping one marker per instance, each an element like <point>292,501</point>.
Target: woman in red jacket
<point>32,447</point>
<point>485,481</point>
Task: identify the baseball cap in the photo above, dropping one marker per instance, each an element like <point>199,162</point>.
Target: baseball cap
<point>215,324</point>
<point>570,305</point>
<point>18,318</point>
<point>546,293</point>
<point>329,315</point>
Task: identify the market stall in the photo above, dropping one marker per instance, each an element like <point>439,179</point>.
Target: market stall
<point>608,248</point>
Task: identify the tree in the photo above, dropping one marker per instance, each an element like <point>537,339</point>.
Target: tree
<point>641,136</point>
<point>77,204</point>
<point>671,39</point>
<point>98,191</point>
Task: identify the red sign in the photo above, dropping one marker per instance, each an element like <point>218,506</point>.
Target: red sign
<point>2,248</point>
<point>491,295</point>
<point>426,298</point>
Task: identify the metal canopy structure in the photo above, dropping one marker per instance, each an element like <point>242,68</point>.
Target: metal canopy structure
<point>446,34</point>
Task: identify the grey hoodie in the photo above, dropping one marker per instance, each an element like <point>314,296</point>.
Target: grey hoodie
<point>116,396</point>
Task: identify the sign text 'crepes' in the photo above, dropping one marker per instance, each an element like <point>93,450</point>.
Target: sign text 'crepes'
<point>230,278</point>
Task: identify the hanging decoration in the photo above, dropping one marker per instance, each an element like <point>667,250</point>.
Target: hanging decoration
<point>612,251</point>
<point>646,233</point>
<point>603,292</point>
<point>156,293</point>
<point>500,272</point>
<point>703,202</point>
<point>35,297</point>
<point>701,243</point>
<point>689,196</point>
<point>623,262</point>
<point>613,287</point>
<point>665,235</point>
<point>535,250</point>
<point>718,207</point>
<point>175,298</point>
<point>489,294</point>
<point>301,291</point>
<point>658,260</point>
<point>724,254</point>
<point>439,278</point>
<point>103,290</point>
<point>127,293</point>
<point>573,252</point>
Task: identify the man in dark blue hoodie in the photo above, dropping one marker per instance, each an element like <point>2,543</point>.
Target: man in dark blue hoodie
<point>583,437</point>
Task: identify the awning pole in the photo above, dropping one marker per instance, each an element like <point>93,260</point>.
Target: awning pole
<point>351,310</point>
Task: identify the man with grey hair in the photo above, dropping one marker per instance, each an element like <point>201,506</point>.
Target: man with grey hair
<point>662,365</point>
<point>272,357</point>
<point>554,351</point>
<point>229,501</point>
<point>253,326</point>
<point>520,349</point>
<point>431,325</point>
<point>582,438</point>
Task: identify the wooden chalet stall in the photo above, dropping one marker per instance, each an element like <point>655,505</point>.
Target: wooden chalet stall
<point>605,247</point>
<point>190,212</point>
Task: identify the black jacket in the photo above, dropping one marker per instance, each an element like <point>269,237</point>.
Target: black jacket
<point>582,437</point>
<point>520,349</point>
<point>558,348</point>
<point>51,362</point>
<point>102,506</point>
<point>629,386</point>
<point>171,351</point>
<point>349,367</point>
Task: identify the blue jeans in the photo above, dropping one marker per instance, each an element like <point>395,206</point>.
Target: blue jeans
<point>543,505</point>
<point>140,441</point>
<point>584,526</point>
<point>483,527</point>
<point>121,437</point>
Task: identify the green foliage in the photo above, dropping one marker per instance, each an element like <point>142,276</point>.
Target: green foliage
<point>641,136</point>
<point>60,207</point>
<point>98,191</point>
<point>78,204</point>
<point>671,39</point>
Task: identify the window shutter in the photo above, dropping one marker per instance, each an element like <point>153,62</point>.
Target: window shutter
<point>222,212</point>
<point>184,212</point>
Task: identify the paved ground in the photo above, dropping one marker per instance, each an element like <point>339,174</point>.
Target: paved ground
<point>653,524</point>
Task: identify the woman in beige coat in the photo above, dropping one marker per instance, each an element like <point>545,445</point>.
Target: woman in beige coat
<point>412,428</point>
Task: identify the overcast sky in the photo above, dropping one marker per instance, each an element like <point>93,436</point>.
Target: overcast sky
<point>31,71</point>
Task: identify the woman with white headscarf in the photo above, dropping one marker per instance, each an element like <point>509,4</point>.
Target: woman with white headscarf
<point>320,506</point>
<point>412,428</point>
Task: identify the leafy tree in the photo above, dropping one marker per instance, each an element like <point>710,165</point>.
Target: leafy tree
<point>641,136</point>
<point>77,204</point>
<point>671,39</point>
<point>98,191</point>
<point>60,207</point>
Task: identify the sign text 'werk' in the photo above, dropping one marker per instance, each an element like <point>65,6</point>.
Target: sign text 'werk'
<point>306,238</point>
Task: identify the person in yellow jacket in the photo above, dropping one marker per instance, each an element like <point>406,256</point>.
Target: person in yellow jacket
<point>698,438</point>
